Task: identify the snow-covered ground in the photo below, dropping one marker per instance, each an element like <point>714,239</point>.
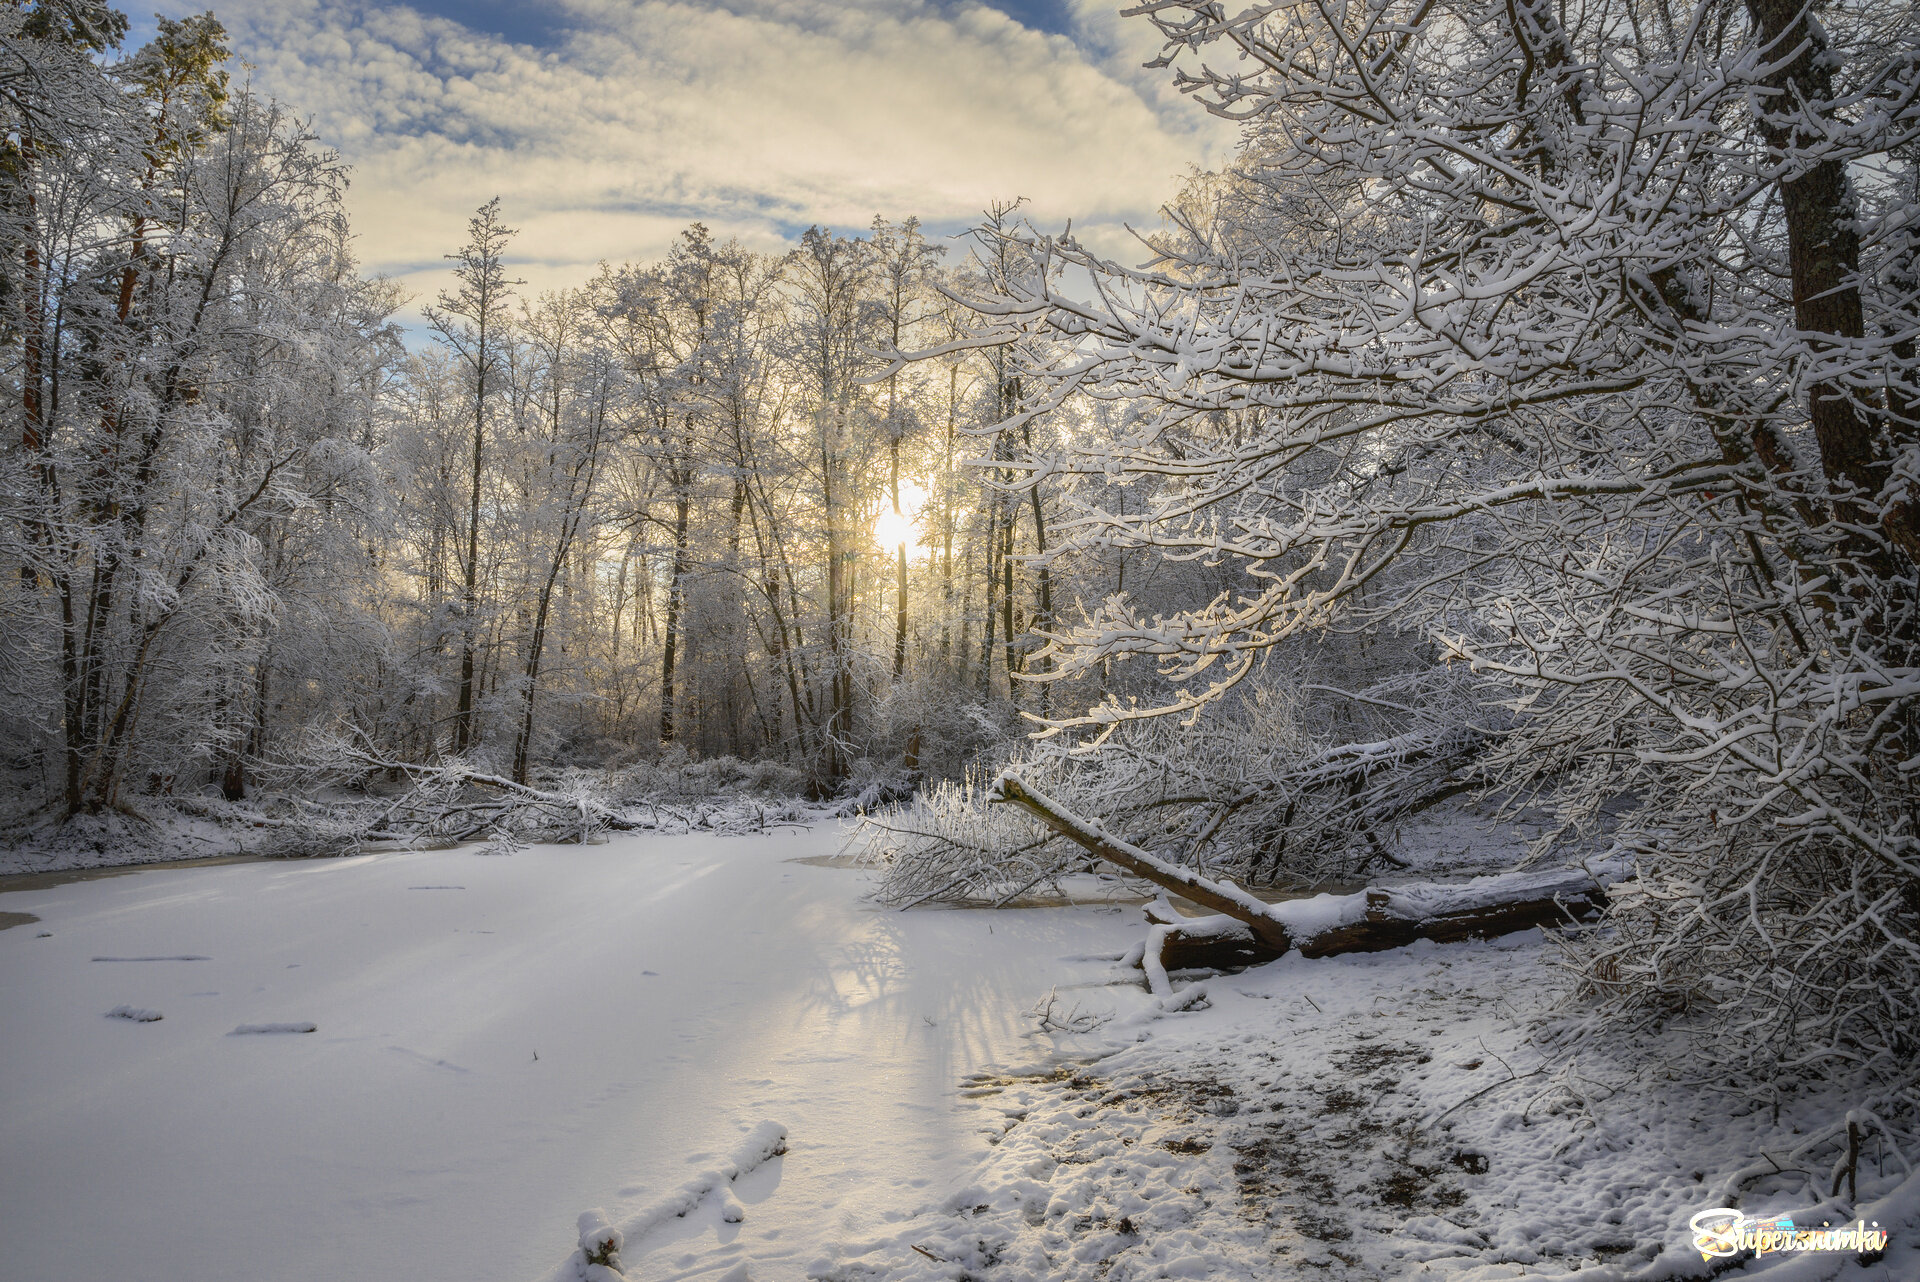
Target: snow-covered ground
<point>501,1043</point>
<point>1372,1116</point>
<point>677,991</point>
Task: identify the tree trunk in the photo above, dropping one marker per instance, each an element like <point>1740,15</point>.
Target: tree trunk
<point>676,588</point>
<point>537,644</point>
<point>839,674</point>
<point>1823,255</point>
<point>1042,577</point>
<point>986,642</point>
<point>900,577</point>
<point>469,591</point>
<point>1006,599</point>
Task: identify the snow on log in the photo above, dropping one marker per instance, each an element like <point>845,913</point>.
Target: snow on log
<point>601,1241</point>
<point>1212,942</point>
<point>1447,911</point>
<point>1366,921</point>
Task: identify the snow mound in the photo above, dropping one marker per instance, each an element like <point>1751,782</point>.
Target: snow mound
<point>1318,914</point>
<point>600,1243</point>
<point>592,1262</point>
<point>138,1014</point>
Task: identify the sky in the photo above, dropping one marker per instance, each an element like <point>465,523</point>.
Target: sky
<point>606,126</point>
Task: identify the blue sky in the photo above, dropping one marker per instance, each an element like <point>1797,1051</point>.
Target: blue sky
<point>536,24</point>
<point>608,125</point>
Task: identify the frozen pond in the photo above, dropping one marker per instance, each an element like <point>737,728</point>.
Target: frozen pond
<point>500,1043</point>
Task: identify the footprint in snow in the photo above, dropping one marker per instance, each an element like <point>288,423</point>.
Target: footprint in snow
<point>137,1014</point>
<point>299,1027</point>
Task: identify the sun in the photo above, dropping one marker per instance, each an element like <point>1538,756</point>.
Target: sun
<point>892,529</point>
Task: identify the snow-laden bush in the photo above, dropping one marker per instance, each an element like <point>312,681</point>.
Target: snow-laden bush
<point>946,844</point>
<point>675,776</point>
<point>1288,784</point>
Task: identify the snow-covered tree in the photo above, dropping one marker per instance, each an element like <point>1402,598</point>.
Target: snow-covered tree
<point>1581,343</point>
<point>193,358</point>
<point>471,320</point>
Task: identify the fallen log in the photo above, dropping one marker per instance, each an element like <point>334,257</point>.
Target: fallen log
<point>1222,944</point>
<point>1248,930</point>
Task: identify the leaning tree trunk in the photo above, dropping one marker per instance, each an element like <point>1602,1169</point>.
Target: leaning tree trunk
<point>1367,921</point>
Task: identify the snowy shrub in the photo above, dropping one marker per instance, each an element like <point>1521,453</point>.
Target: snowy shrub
<point>676,778</point>
<point>946,844</point>
<point>1265,792</point>
<point>776,779</point>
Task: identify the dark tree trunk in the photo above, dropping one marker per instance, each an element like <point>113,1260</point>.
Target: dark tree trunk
<point>676,589</point>
<point>1823,254</point>
<point>469,591</point>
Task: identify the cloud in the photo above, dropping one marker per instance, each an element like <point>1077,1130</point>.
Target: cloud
<point>607,125</point>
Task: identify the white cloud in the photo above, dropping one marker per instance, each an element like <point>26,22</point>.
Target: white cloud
<point>632,119</point>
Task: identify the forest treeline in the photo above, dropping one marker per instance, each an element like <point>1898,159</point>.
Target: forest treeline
<point>681,505</point>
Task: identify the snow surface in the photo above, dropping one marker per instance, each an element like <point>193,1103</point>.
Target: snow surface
<point>676,990</point>
<point>612,1045</point>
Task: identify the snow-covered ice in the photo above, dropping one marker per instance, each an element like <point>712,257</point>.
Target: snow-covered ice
<point>638,1008</point>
